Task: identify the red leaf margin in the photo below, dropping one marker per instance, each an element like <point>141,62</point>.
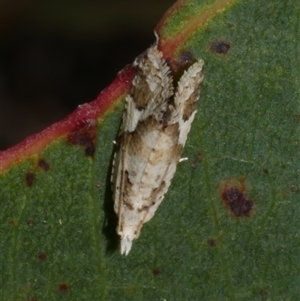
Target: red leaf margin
<point>88,111</point>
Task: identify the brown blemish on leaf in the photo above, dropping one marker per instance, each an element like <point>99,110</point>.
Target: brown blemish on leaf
<point>294,188</point>
<point>42,163</point>
<point>211,242</point>
<point>186,59</point>
<point>30,223</point>
<point>27,288</point>
<point>220,47</point>
<point>84,136</point>
<point>63,287</point>
<point>42,256</point>
<point>156,272</point>
<point>265,171</point>
<point>29,178</point>
<point>198,158</point>
<point>298,116</point>
<point>264,295</point>
<point>13,222</point>
<point>232,193</point>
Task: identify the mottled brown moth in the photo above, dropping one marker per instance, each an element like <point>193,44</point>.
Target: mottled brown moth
<point>155,126</point>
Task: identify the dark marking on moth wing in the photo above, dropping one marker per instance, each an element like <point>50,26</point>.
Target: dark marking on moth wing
<point>220,47</point>
<point>42,256</point>
<point>233,194</point>
<point>127,204</point>
<point>141,94</point>
<point>33,299</point>
<point>127,190</point>
<point>157,178</point>
<point>63,287</point>
<point>29,178</point>
<point>167,115</point>
<point>126,178</point>
<point>143,208</point>
<point>42,163</point>
<point>135,141</point>
<point>156,191</point>
<point>191,104</point>
<point>84,136</point>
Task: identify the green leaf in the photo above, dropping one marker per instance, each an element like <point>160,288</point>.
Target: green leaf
<point>228,227</point>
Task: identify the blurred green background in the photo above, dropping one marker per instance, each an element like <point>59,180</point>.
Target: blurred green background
<point>57,54</point>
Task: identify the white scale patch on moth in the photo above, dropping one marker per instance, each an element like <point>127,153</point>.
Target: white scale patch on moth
<point>155,126</point>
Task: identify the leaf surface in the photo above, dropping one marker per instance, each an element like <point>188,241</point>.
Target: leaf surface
<point>228,228</point>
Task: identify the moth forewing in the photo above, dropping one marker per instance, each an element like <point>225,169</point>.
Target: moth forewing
<point>151,140</point>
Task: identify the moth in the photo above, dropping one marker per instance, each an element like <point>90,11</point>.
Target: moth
<point>156,122</point>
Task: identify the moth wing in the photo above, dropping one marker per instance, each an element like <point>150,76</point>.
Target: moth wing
<point>152,154</point>
<point>151,88</point>
<point>186,97</point>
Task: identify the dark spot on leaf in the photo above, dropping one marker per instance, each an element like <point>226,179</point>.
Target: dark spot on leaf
<point>13,222</point>
<point>220,47</point>
<point>233,195</point>
<point>156,272</point>
<point>44,164</point>
<point>29,178</point>
<point>90,150</point>
<point>264,295</point>
<point>186,59</point>
<point>211,242</point>
<point>30,222</point>
<point>265,171</point>
<point>42,256</point>
<point>63,287</point>
<point>294,188</point>
<point>198,158</point>
<point>33,299</point>
<point>84,136</point>
<point>298,116</point>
